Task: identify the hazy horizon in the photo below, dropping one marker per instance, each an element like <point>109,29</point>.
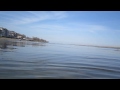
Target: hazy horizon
<point>70,27</point>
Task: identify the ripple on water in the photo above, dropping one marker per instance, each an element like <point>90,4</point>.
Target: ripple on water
<point>58,61</point>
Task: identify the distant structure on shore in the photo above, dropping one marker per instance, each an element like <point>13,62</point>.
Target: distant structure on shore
<point>12,34</point>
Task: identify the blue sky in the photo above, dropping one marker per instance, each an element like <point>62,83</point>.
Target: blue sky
<point>72,27</point>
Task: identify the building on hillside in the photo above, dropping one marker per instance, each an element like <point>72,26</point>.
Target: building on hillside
<point>12,34</point>
<point>19,36</point>
<point>4,32</point>
<point>29,39</point>
<point>0,32</point>
<point>23,36</point>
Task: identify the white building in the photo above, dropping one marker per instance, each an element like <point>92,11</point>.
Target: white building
<point>4,32</point>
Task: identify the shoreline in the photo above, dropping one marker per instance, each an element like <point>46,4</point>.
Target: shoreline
<point>115,47</point>
<point>97,46</point>
<point>3,39</point>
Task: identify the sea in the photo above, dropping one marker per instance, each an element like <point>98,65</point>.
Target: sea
<point>37,60</point>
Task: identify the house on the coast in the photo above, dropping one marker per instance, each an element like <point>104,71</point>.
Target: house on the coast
<point>4,32</point>
<point>23,36</point>
<point>12,34</point>
<point>29,39</point>
<point>0,32</point>
<point>20,36</point>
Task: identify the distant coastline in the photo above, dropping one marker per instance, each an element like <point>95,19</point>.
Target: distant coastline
<point>4,39</point>
<point>115,47</point>
<point>98,46</point>
<point>5,33</point>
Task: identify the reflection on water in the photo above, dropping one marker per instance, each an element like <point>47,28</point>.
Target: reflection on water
<point>4,45</point>
<point>45,60</point>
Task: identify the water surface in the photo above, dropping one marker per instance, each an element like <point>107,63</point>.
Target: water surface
<point>24,59</point>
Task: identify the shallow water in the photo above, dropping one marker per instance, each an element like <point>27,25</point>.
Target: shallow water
<point>46,60</point>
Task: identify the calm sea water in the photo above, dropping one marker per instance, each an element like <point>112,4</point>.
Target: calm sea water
<point>46,60</point>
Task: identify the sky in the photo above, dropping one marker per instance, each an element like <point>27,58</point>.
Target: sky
<point>69,27</point>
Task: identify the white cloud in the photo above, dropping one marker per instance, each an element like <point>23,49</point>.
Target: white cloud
<point>24,17</point>
<point>88,26</point>
<point>40,16</point>
<point>70,27</point>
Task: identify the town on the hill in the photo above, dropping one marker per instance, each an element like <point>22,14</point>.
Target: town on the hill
<point>12,34</point>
